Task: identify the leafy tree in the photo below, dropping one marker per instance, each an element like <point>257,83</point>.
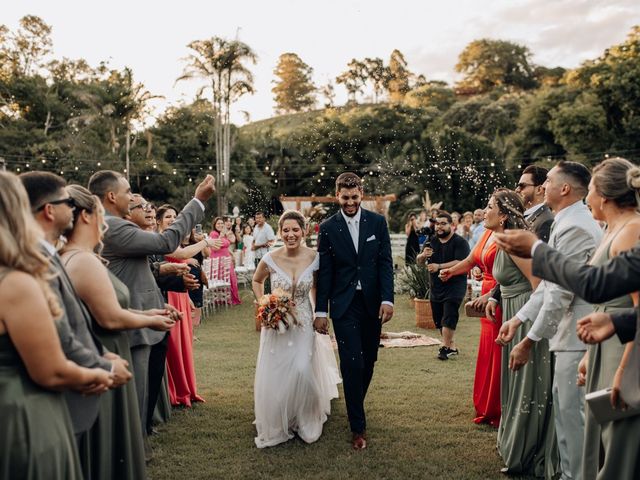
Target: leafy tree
<point>329,93</point>
<point>430,95</point>
<point>294,91</point>
<point>613,78</point>
<point>23,52</point>
<point>549,77</point>
<point>487,64</point>
<point>353,78</point>
<point>485,115</point>
<point>581,128</point>
<point>398,77</point>
<point>377,74</point>
<point>533,140</point>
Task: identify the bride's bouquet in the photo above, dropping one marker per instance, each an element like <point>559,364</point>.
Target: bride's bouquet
<point>276,310</point>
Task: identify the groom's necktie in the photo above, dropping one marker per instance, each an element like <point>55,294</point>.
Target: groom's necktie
<point>353,230</point>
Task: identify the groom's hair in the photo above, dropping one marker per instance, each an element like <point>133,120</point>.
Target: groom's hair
<point>103,182</point>
<point>348,180</point>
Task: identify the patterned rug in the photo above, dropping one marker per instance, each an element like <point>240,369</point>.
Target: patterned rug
<point>406,340</point>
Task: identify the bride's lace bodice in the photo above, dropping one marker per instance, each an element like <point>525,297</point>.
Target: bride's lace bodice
<point>279,279</point>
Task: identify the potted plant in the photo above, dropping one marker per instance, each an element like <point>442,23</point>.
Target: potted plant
<point>417,281</point>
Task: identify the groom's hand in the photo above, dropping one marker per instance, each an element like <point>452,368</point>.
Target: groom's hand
<point>321,325</point>
<point>385,313</point>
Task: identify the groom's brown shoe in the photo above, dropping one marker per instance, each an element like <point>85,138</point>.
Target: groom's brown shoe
<point>359,441</point>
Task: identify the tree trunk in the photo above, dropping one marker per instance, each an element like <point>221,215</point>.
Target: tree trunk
<point>47,123</point>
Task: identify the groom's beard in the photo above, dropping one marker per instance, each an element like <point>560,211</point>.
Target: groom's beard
<point>355,212</point>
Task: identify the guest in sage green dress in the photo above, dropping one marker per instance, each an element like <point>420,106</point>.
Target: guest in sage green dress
<point>526,435</point>
<point>36,437</point>
<point>114,447</point>
<point>611,450</point>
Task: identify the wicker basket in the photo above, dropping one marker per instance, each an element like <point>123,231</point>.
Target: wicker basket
<point>424,315</point>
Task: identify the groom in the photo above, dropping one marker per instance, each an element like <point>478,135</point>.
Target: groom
<point>355,284</point>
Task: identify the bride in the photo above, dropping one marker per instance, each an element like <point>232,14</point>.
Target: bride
<point>296,372</point>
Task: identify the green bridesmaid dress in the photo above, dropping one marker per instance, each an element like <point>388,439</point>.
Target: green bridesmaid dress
<point>114,448</point>
<point>610,450</point>
<point>36,437</point>
<point>526,435</point>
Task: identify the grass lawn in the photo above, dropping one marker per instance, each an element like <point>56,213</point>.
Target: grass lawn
<point>419,414</point>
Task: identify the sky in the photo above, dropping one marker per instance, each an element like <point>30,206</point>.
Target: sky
<point>151,37</point>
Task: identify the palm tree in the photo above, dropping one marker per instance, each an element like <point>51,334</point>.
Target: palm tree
<point>135,109</point>
<point>221,63</point>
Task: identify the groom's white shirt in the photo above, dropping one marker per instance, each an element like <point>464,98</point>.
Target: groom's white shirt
<point>353,223</point>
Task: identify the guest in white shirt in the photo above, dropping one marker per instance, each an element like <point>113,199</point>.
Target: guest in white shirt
<point>263,239</point>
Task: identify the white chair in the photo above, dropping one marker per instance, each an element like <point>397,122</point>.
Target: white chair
<point>207,293</point>
<point>219,277</point>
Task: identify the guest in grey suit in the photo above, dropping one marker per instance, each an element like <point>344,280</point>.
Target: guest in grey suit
<point>555,310</point>
<point>596,284</point>
<point>126,247</point>
<point>53,211</point>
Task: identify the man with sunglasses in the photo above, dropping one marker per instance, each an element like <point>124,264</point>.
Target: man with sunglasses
<point>53,211</point>
<point>530,188</point>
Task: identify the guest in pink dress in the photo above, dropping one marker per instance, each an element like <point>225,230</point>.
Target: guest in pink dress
<point>181,375</point>
<point>220,249</point>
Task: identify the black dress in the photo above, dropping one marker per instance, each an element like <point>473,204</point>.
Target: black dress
<point>411,248</point>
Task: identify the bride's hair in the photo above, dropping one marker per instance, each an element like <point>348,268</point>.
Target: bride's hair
<point>292,215</point>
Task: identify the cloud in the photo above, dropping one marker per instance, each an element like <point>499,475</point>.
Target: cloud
<point>558,33</point>
<point>564,32</point>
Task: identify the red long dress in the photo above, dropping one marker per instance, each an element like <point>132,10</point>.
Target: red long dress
<point>486,386</point>
<point>181,375</point>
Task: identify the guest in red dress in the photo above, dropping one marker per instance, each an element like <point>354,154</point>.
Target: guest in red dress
<point>220,249</point>
<point>486,386</point>
<point>181,375</point>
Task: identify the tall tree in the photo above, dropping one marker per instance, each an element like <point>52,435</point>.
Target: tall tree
<point>329,93</point>
<point>377,74</point>
<point>23,51</point>
<point>353,78</point>
<point>294,91</point>
<point>221,63</point>
<point>487,64</point>
<point>135,108</point>
<point>398,77</point>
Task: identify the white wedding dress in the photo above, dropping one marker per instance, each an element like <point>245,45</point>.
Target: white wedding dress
<point>296,372</point>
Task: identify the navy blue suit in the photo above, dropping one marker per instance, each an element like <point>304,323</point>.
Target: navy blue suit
<point>355,312</point>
